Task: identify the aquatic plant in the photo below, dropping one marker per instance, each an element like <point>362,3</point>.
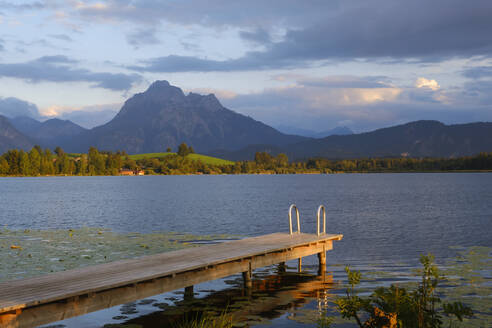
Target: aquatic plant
<point>394,306</point>
<point>28,253</point>
<point>224,320</point>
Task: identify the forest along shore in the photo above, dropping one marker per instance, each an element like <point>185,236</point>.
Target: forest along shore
<point>44,162</point>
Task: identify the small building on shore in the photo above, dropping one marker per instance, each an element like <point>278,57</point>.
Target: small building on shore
<point>127,172</point>
<point>131,172</point>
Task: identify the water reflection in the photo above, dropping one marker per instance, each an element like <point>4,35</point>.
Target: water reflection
<point>274,294</point>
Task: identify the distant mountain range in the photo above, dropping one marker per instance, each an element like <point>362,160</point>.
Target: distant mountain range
<point>163,116</point>
<point>415,139</point>
<point>339,131</point>
<point>49,133</point>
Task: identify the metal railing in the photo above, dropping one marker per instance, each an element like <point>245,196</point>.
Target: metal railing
<point>298,219</point>
<point>321,207</point>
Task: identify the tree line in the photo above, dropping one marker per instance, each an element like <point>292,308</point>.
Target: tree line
<point>42,162</point>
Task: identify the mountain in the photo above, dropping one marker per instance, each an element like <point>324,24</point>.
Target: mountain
<point>415,139</point>
<point>339,130</point>
<point>49,133</point>
<point>25,124</point>
<point>11,138</point>
<point>163,116</point>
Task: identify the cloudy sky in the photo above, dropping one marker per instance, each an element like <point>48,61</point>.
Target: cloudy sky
<point>313,64</point>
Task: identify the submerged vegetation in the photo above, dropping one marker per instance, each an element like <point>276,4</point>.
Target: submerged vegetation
<point>39,162</point>
<point>27,253</point>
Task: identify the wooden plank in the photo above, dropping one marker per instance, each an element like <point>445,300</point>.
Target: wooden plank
<point>157,273</point>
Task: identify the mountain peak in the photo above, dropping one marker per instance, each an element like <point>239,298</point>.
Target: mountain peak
<point>159,84</point>
<point>208,102</point>
<point>163,90</point>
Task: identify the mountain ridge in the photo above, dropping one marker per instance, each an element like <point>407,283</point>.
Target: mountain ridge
<point>11,138</point>
<point>163,116</point>
<point>424,138</point>
<point>49,133</point>
<point>339,130</point>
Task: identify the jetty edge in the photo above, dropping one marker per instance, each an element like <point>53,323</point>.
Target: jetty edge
<point>39,300</point>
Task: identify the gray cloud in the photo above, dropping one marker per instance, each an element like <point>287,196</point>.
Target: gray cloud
<point>478,92</point>
<point>59,69</point>
<point>478,89</point>
<point>25,6</point>
<point>143,36</point>
<point>317,31</point>
<point>258,36</point>
<point>63,37</point>
<point>2,48</point>
<point>314,30</point>
<point>478,72</point>
<point>396,29</point>
<point>57,59</point>
<point>210,13</point>
<point>190,46</point>
<point>252,61</point>
<point>13,107</point>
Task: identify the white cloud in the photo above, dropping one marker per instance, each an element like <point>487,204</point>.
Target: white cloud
<point>422,82</point>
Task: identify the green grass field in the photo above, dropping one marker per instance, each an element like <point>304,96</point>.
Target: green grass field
<point>196,157</point>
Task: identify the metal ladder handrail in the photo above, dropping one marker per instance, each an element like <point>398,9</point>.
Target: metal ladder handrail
<point>321,207</point>
<point>298,219</point>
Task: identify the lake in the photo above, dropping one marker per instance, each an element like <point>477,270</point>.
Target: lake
<point>388,220</point>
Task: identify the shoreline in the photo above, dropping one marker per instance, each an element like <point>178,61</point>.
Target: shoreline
<point>261,173</point>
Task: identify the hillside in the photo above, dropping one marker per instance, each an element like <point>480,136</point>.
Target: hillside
<point>50,133</point>
<point>415,139</point>
<point>11,138</point>
<point>163,116</point>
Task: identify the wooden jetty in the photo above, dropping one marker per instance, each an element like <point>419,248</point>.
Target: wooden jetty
<point>35,301</point>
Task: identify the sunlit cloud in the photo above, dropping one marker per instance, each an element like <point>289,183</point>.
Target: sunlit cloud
<point>422,82</point>
<point>90,6</point>
<point>54,110</point>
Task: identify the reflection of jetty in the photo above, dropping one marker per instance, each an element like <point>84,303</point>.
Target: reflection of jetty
<point>53,297</point>
<point>270,297</point>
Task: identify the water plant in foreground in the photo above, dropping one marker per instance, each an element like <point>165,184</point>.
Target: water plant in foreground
<point>394,306</point>
<point>224,320</point>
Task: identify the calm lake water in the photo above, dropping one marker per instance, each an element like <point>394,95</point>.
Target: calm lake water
<point>387,220</point>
